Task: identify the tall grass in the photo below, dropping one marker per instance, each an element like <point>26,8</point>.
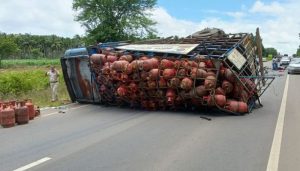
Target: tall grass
<point>30,82</point>
<point>12,63</point>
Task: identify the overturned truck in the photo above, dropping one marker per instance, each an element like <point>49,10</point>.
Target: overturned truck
<point>203,71</point>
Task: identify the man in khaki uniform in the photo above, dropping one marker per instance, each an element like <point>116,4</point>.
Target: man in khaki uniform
<point>53,79</point>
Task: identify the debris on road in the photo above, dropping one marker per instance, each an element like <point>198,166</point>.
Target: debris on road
<point>206,118</point>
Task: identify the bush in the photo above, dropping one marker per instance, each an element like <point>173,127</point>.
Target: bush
<point>10,63</point>
<point>16,82</point>
<point>30,83</point>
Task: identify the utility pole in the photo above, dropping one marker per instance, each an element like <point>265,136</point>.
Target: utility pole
<point>259,53</point>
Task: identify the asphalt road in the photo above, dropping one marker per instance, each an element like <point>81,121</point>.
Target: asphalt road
<point>91,137</point>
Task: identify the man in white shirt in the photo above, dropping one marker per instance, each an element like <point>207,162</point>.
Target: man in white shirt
<point>53,79</point>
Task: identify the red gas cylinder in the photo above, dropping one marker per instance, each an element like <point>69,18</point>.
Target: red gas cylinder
<point>122,91</point>
<point>182,73</point>
<point>186,83</point>
<point>114,74</point>
<point>169,73</point>
<point>127,58</point>
<point>227,87</point>
<point>193,64</point>
<point>135,64</point>
<point>111,58</point>
<point>153,74</point>
<point>106,68</point>
<point>145,65</point>
<point>162,83</point>
<point>165,63</point>
<point>144,75</point>
<point>98,58</point>
<point>144,58</point>
<point>210,73</point>
<point>8,117</point>
<point>236,106</point>
<point>30,109</point>
<point>229,75</point>
<point>177,64</point>
<point>21,113</point>
<point>149,64</point>
<point>133,87</point>
<point>209,64</point>
<point>124,77</point>
<point>151,84</point>
<point>128,69</point>
<point>244,96</point>
<point>249,84</point>
<point>170,96</point>
<point>219,100</point>
<point>222,71</point>
<point>198,73</point>
<point>174,82</point>
<point>237,89</point>
<point>120,65</point>
<point>210,82</point>
<point>185,64</point>
<point>201,91</point>
<point>202,65</point>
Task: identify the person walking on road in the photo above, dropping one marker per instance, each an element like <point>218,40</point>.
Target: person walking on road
<point>53,79</point>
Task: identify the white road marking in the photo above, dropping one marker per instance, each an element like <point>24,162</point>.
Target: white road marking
<point>53,113</point>
<point>276,145</point>
<point>26,167</point>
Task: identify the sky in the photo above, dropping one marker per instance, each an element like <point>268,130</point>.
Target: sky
<point>279,21</point>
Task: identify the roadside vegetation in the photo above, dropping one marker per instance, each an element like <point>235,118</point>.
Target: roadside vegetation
<point>30,82</point>
<point>25,58</point>
<point>17,63</point>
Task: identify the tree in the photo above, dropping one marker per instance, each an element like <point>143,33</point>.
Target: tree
<point>270,51</point>
<point>298,52</point>
<point>115,20</point>
<point>7,48</point>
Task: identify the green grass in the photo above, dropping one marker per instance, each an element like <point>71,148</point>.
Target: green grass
<point>13,63</point>
<point>269,58</point>
<point>30,83</point>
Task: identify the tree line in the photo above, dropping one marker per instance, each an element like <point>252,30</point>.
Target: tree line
<point>25,46</point>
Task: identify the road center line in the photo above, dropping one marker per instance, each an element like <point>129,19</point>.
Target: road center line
<point>53,113</point>
<point>26,167</point>
<point>276,145</point>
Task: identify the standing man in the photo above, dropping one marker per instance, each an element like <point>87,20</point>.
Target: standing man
<point>53,79</point>
<point>274,64</point>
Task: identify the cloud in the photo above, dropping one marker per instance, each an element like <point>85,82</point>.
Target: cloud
<point>39,17</point>
<point>280,31</point>
<point>237,14</point>
<point>274,8</point>
<point>170,26</point>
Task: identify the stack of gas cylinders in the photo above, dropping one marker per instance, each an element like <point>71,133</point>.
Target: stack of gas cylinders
<point>170,83</point>
<point>17,112</point>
